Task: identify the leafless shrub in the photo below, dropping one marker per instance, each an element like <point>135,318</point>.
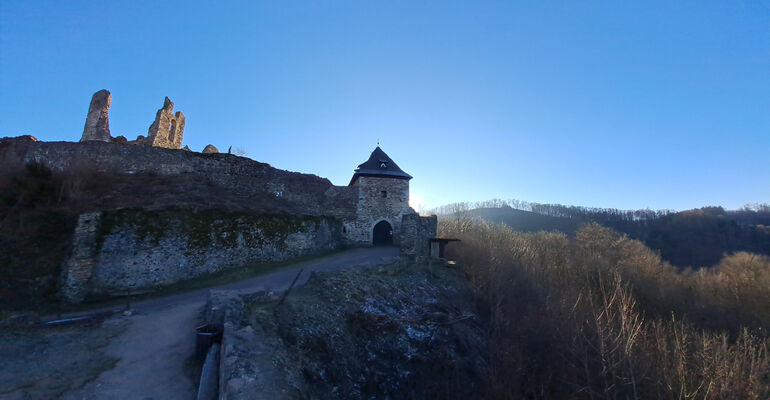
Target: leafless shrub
<point>585,318</point>
<point>72,183</point>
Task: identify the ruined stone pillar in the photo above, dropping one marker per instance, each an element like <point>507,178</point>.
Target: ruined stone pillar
<point>177,131</point>
<point>167,129</point>
<point>77,271</point>
<point>98,119</point>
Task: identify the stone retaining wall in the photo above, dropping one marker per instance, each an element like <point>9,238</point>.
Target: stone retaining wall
<point>141,250</point>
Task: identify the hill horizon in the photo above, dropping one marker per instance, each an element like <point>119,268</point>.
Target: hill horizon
<point>690,238</point>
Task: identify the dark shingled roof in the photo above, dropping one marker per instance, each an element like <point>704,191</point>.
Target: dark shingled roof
<point>379,164</point>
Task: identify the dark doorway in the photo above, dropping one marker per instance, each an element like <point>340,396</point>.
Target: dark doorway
<point>383,234</point>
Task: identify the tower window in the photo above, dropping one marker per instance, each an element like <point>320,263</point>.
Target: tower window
<point>384,194</point>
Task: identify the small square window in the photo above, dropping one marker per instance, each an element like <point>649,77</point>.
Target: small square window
<point>384,194</point>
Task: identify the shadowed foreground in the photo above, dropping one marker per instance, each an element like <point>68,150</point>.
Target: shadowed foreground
<point>148,350</point>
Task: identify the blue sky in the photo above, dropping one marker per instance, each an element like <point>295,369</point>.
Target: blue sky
<point>658,104</point>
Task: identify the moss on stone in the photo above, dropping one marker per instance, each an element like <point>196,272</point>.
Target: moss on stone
<point>208,228</point>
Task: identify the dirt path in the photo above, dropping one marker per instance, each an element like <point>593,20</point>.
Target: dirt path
<point>160,338</point>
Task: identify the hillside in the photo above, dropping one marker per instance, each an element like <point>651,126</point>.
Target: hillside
<point>685,239</point>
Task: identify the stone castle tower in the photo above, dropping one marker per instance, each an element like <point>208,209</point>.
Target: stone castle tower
<point>383,202</point>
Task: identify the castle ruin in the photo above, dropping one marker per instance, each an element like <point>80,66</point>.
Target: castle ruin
<point>166,131</point>
<point>98,119</point>
<point>255,212</point>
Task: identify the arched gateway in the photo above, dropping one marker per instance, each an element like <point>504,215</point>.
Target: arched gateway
<point>383,234</point>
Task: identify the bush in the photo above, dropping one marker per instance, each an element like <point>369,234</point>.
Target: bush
<point>603,317</point>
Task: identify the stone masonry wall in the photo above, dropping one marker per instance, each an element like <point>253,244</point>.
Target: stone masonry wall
<point>284,191</point>
<point>98,119</point>
<point>142,250</point>
<point>80,266</point>
<point>373,207</point>
<point>168,128</point>
<point>415,232</point>
<point>147,241</point>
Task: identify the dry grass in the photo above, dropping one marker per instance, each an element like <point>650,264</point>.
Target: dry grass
<point>603,317</point>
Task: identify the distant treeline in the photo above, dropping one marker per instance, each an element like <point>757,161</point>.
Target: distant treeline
<point>754,214</point>
<point>698,237</point>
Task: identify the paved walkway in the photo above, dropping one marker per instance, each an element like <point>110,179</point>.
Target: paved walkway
<point>161,337</point>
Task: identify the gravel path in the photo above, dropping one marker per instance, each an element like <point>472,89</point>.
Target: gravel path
<point>159,340</point>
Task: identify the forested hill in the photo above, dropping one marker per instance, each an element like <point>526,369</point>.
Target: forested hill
<point>688,238</point>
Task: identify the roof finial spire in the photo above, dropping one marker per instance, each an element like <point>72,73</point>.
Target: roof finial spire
<point>378,141</point>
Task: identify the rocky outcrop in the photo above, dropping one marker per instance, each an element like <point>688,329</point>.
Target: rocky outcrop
<point>168,128</point>
<point>98,119</point>
<point>390,332</point>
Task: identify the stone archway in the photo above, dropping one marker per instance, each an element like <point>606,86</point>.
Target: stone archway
<point>382,234</point>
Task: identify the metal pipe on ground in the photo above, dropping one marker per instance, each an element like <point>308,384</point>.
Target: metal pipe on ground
<point>205,336</point>
<point>208,388</point>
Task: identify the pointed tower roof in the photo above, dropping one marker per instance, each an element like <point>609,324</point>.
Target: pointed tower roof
<point>379,164</point>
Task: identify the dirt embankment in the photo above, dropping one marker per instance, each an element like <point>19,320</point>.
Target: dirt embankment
<point>386,332</point>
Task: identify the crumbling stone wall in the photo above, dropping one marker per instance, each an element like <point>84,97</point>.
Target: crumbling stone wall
<point>166,131</point>
<point>78,269</point>
<point>98,119</point>
<point>278,191</point>
<point>142,250</point>
<point>379,199</point>
<point>415,232</point>
<point>168,128</point>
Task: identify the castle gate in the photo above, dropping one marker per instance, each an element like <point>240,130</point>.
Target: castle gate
<point>383,234</point>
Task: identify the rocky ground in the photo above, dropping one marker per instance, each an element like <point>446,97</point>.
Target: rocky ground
<point>396,331</point>
<point>46,362</point>
<point>143,355</point>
